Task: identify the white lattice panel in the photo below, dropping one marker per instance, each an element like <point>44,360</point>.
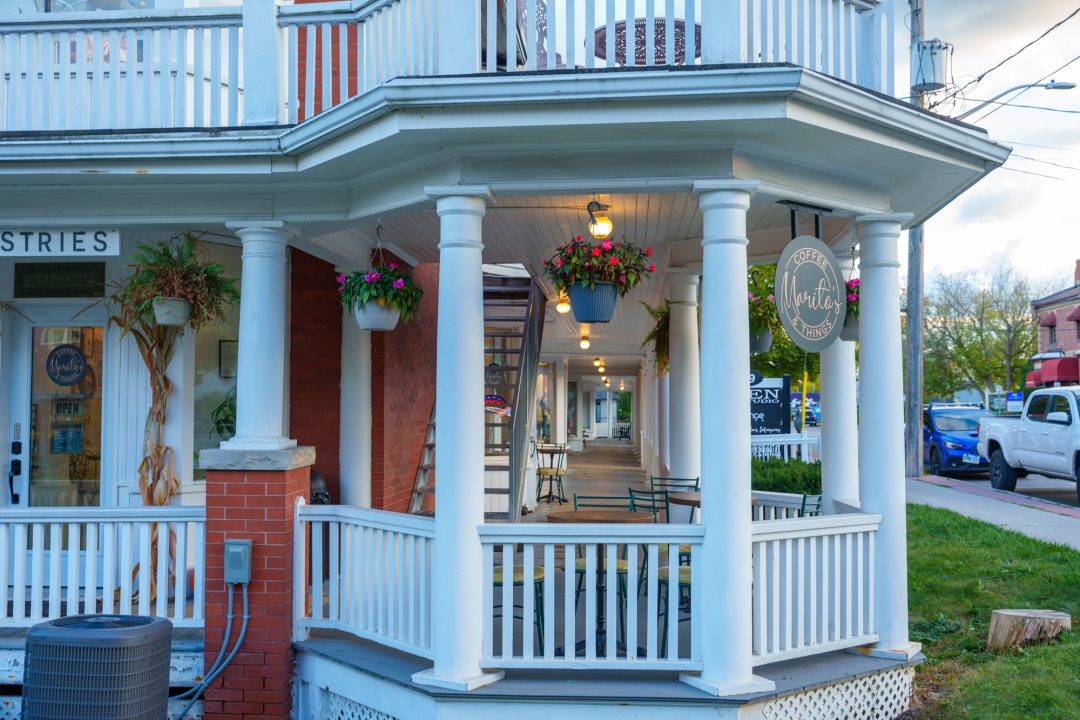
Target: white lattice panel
<point>336,707</point>
<point>882,696</point>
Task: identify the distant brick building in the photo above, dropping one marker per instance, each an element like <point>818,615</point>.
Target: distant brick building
<point>1058,358</point>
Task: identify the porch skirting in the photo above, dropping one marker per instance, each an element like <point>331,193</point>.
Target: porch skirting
<point>339,679</point>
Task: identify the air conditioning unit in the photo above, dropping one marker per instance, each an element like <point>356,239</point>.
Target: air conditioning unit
<point>97,666</point>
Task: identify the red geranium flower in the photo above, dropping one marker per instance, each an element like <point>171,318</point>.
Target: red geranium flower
<point>648,252</point>
<point>614,260</point>
<point>596,252</point>
<point>652,268</point>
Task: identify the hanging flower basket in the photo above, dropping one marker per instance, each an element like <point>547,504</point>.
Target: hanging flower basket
<point>373,316</point>
<point>172,311</point>
<point>594,304</point>
<point>380,295</point>
<point>595,276</point>
<point>760,342</point>
<point>850,331</point>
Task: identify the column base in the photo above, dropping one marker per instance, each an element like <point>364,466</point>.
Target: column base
<point>259,443</point>
<point>430,679</point>
<point>904,652</point>
<point>755,685</point>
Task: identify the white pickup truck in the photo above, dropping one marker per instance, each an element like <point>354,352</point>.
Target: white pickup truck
<point>1045,439</point>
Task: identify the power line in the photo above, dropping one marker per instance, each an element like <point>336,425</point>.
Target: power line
<point>1011,104</point>
<point>1036,83</point>
<point>980,77</point>
<point>1044,162</point>
<point>1043,147</point>
<point>1028,172</point>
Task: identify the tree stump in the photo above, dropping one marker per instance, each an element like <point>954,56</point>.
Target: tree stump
<point>1014,628</point>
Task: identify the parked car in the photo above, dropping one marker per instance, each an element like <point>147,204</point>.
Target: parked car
<point>1045,439</point>
<point>950,439</point>
<point>813,413</point>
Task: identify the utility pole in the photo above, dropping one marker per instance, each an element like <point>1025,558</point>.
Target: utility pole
<point>913,449</point>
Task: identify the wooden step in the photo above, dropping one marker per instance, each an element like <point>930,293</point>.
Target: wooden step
<point>503,334</point>
<point>505,302</point>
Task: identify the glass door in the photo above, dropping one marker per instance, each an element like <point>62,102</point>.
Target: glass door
<point>65,416</point>
<point>601,417</point>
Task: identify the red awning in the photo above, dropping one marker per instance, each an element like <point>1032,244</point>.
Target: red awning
<point>1074,316</point>
<point>1048,320</point>
<point>1063,370</point>
<point>1033,379</point>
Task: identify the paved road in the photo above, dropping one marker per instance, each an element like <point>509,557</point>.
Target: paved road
<point>1042,520</point>
<point>1038,486</point>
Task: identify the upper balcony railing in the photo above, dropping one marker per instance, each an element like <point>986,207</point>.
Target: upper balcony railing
<point>258,64</point>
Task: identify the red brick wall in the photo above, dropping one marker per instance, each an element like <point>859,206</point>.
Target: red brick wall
<point>302,38</point>
<point>256,506</point>
<point>315,363</point>
<point>402,396</point>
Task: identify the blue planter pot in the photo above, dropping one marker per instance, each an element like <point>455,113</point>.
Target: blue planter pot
<point>595,304</point>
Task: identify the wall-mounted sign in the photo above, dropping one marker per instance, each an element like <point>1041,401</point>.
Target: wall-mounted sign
<point>770,405</point>
<point>53,242</point>
<point>1014,402</point>
<point>810,295</point>
<point>66,365</point>
<point>63,280</point>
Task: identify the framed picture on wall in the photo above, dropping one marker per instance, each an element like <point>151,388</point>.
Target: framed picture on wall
<point>227,350</point>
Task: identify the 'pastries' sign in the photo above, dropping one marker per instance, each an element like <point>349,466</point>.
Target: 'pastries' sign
<point>810,295</point>
<point>68,242</point>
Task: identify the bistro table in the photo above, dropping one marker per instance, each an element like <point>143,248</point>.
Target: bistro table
<point>605,516</point>
<point>556,457</point>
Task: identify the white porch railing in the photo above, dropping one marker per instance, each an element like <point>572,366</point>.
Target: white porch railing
<point>56,562</point>
<point>788,447</point>
<point>365,572</point>
<point>559,603</point>
<point>338,50</point>
<point>813,585</point>
<point>824,35</point>
<point>121,70</point>
<point>776,505</point>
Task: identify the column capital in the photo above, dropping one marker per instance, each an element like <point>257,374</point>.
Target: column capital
<point>240,226</point>
<point>682,286</point>
<point>879,237</point>
<point>438,192</point>
<point>901,219</point>
<point>703,187</point>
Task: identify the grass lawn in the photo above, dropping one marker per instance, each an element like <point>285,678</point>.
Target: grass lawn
<point>958,571</point>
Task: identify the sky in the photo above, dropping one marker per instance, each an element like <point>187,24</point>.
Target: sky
<point>1015,217</point>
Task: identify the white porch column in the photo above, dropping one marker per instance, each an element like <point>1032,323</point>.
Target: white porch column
<point>654,423</point>
<point>726,639</point>
<point>261,353</point>
<point>839,427</point>
<point>457,559</point>
<point>684,398</point>
<point>559,414</point>
<point>663,397</point>
<point>355,425</point>
<point>881,435</point>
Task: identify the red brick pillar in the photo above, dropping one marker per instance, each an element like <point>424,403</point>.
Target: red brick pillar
<point>252,495</point>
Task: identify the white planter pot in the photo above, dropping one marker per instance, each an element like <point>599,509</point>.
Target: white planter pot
<point>850,331</point>
<point>174,312</point>
<point>373,316</point>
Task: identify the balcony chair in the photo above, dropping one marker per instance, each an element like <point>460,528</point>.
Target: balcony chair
<point>662,599</point>
<point>538,597</point>
<point>674,485</point>
<point>553,474</point>
<point>607,502</point>
<point>811,506</point>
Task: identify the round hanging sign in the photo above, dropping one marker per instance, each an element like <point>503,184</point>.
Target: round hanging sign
<point>811,298</point>
<point>66,365</point>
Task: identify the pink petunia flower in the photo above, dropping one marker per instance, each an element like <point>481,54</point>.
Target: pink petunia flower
<point>772,298</point>
<point>558,262</point>
<point>399,283</point>
<point>606,245</point>
<point>852,297</point>
<point>341,279</point>
<point>392,266</point>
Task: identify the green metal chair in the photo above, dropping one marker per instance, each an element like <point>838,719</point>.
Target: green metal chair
<point>674,485</point>
<point>606,502</point>
<point>662,605</point>
<point>652,501</point>
<point>811,506</point>
<point>518,580</point>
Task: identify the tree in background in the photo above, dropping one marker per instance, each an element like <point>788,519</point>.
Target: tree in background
<point>979,330</point>
<point>786,358</point>
<point>624,408</point>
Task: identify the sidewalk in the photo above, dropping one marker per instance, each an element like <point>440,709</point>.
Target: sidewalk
<point>1033,517</point>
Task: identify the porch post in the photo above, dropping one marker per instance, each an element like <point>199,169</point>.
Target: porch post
<point>684,398</point>
<point>726,571</point>
<point>261,352</point>
<point>724,25</point>
<point>839,427</point>
<point>664,413</point>
<point>881,432</point>
<point>457,559</point>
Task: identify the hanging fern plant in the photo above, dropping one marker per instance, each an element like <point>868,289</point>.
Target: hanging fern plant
<point>660,335</point>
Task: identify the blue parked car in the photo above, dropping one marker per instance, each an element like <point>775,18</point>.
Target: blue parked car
<point>950,436</point>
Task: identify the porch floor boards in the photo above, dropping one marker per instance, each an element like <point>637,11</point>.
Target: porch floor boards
<point>793,676</point>
<point>605,467</point>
